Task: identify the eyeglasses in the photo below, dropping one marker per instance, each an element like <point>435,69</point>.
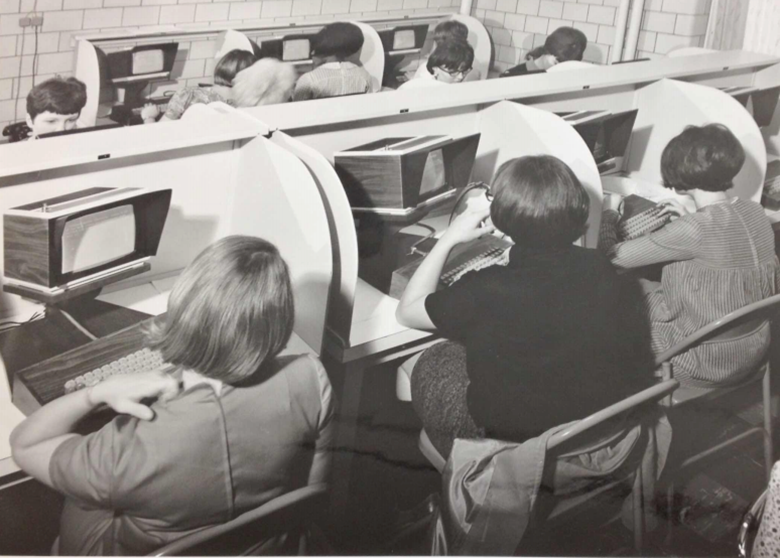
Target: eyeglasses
<point>454,73</point>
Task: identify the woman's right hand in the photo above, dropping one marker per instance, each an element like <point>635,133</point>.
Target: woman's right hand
<point>124,393</point>
<point>150,112</point>
<point>469,226</point>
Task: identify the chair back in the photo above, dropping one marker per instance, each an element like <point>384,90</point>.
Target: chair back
<point>587,425</point>
<point>289,513</point>
<point>744,321</point>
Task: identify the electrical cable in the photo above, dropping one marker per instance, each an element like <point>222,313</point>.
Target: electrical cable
<point>77,325</point>
<point>469,187</point>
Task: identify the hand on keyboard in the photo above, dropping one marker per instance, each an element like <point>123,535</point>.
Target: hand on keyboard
<point>150,112</point>
<point>672,207</point>
<point>124,393</point>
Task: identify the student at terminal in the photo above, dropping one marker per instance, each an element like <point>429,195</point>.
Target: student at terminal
<point>447,30</point>
<point>232,425</point>
<point>562,45</point>
<point>224,73</point>
<point>533,343</point>
<point>55,105</point>
<point>333,75</point>
<point>450,63</point>
<point>717,259</point>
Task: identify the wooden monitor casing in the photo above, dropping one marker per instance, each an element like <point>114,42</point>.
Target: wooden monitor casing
<point>391,180</point>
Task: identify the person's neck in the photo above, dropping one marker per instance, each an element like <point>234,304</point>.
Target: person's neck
<point>329,60</point>
<point>703,198</point>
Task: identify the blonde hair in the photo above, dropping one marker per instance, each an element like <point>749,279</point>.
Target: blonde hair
<point>266,82</point>
<point>231,310</point>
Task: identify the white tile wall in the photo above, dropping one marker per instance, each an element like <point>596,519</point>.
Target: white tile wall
<point>195,63</point>
<point>666,24</point>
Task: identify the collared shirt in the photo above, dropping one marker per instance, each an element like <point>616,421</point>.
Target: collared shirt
<point>332,79</point>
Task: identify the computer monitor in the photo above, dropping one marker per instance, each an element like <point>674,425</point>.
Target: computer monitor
<point>142,63</point>
<point>80,130</point>
<point>606,135</point>
<point>402,177</point>
<point>764,103</point>
<point>295,49</point>
<point>406,38</point>
<point>60,247</point>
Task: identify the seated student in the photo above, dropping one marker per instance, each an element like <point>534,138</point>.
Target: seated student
<point>266,82</point>
<point>333,75</point>
<point>233,426</point>
<point>447,30</point>
<point>224,73</point>
<point>449,63</point>
<point>539,338</point>
<point>562,45</point>
<point>718,259</point>
<point>55,105</point>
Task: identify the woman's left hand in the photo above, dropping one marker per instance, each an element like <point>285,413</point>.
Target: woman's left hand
<point>672,207</point>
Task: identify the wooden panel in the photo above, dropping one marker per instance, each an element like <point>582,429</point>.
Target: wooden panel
<point>26,249</point>
<point>372,181</point>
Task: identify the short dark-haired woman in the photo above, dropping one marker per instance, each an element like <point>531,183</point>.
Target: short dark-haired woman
<point>718,259</point>
<point>541,341</point>
<point>233,425</point>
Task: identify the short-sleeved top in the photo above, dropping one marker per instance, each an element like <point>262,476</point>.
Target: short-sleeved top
<point>184,98</point>
<point>332,79</point>
<point>550,338</point>
<point>136,485</point>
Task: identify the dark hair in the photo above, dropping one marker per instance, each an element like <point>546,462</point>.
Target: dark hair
<point>230,64</point>
<point>450,30</point>
<point>340,39</point>
<point>565,43</point>
<point>58,95</point>
<point>451,55</point>
<point>539,202</point>
<point>231,310</point>
<point>705,158</point>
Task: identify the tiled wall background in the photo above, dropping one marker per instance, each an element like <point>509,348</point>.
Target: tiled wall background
<point>63,18</point>
<point>518,26</point>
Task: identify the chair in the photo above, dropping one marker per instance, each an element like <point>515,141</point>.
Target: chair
<point>289,513</point>
<point>555,445</point>
<point>740,323</point>
<point>748,528</point>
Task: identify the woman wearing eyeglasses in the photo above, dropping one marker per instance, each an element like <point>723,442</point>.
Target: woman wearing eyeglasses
<point>449,63</point>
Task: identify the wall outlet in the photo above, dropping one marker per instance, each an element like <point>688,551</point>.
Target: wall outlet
<point>34,21</point>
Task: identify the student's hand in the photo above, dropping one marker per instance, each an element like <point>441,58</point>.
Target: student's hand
<point>672,207</point>
<point>123,393</point>
<point>545,62</point>
<point>469,226</point>
<point>150,112</point>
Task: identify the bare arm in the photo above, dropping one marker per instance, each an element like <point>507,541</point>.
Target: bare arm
<point>411,310</point>
<point>35,440</point>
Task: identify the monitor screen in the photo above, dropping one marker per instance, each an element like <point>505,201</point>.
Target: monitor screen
<point>764,105</point>
<point>296,49</point>
<point>434,178</point>
<point>403,39</point>
<point>98,238</point>
<point>148,62</point>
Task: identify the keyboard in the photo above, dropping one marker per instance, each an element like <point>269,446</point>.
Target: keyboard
<point>478,254</point>
<point>640,216</point>
<point>122,352</point>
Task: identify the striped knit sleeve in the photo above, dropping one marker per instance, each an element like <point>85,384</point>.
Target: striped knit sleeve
<point>677,241</point>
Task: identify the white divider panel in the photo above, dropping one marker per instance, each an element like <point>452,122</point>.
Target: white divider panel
<point>479,39</point>
<point>232,40</point>
<point>343,237</point>
<point>88,71</point>
<point>372,55</point>
<point>667,107</point>
<point>275,197</point>
<point>770,77</point>
<point>512,130</point>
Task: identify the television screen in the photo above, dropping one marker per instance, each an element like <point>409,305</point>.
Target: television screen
<point>433,178</point>
<point>148,62</point>
<point>295,49</point>
<point>403,39</point>
<point>98,238</point>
